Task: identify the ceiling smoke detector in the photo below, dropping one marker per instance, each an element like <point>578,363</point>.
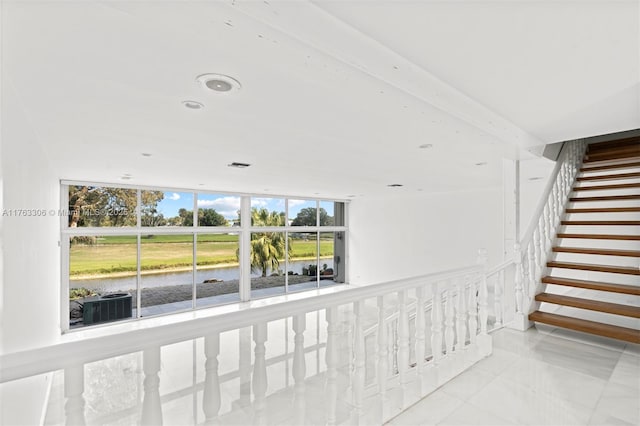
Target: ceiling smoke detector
<point>219,83</point>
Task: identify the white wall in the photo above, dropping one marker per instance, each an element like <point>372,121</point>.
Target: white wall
<point>403,237</point>
<point>29,313</point>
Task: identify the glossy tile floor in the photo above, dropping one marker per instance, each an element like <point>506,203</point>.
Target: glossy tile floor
<point>544,376</point>
<point>539,377</point>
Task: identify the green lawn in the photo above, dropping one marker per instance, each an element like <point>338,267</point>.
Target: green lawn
<point>115,254</point>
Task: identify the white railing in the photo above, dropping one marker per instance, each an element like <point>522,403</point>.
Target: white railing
<point>532,252</point>
<point>425,331</point>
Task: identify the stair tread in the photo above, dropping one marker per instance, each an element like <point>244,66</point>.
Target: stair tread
<point>610,167</point>
<point>607,187</point>
<point>605,252</point>
<point>605,210</point>
<point>586,326</point>
<point>613,156</point>
<point>600,236</point>
<point>609,177</point>
<point>599,146</point>
<point>614,150</point>
<point>606,198</point>
<point>593,267</point>
<point>592,305</point>
<point>601,222</point>
<point>593,285</point>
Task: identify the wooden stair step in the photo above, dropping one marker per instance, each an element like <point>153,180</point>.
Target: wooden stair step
<point>592,267</point>
<point>608,177</point>
<point>625,149</point>
<point>601,222</point>
<point>606,198</point>
<point>618,150</point>
<point>604,187</point>
<point>604,252</point>
<point>592,305</point>
<point>605,210</point>
<point>593,285</point>
<point>616,156</point>
<point>586,326</point>
<point>614,143</point>
<point>601,236</point>
<point>610,167</point>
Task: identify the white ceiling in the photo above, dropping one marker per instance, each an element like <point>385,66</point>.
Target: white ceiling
<point>336,96</point>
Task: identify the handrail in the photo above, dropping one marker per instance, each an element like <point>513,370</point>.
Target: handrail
<point>531,252</point>
<point>142,334</point>
<point>499,267</point>
<point>542,202</point>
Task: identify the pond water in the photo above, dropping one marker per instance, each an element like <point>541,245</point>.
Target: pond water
<point>177,278</point>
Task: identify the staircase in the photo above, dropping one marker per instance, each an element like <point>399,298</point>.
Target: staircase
<point>592,283</point>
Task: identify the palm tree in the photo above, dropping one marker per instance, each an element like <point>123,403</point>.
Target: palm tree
<point>267,247</point>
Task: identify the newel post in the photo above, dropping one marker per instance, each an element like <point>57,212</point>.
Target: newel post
<point>484,340</point>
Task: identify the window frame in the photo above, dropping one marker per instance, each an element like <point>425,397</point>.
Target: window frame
<point>244,232</point>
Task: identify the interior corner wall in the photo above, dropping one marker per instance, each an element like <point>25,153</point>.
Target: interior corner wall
<point>398,238</point>
<point>29,310</point>
<point>31,231</point>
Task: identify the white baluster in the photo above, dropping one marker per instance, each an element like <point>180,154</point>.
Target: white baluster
<point>244,367</point>
<point>436,324</point>
<point>531,285</point>
<point>383,348</point>
<point>461,317</point>
<point>473,310</point>
<point>331,358</point>
<point>498,292</point>
<point>359,355</point>
<point>299,367</point>
<point>73,393</point>
<point>259,382</point>
<point>547,228</point>
<point>211,394</point>
<point>420,328</point>
<point>482,292</point>
<point>403,336</point>
<point>539,255</point>
<point>519,279</point>
<point>448,320</point>
<point>151,405</point>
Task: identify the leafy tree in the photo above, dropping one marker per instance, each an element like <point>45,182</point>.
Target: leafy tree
<point>267,247</point>
<point>307,217</point>
<point>210,217</point>
<point>186,217</point>
<point>104,206</point>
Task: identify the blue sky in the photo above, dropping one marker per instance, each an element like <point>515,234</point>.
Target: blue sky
<point>228,205</point>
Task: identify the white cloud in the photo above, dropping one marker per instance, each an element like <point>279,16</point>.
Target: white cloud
<point>294,203</point>
<point>260,202</point>
<point>226,206</point>
<point>174,196</point>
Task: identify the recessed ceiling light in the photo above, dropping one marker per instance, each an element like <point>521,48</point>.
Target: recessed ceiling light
<point>239,165</point>
<point>425,146</point>
<point>482,163</point>
<point>193,104</point>
<point>219,83</point>
<point>351,196</point>
<point>125,177</point>
<point>395,185</point>
<point>201,184</point>
<point>535,178</point>
<point>146,154</point>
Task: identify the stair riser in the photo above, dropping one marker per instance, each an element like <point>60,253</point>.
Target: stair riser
<point>602,317</point>
<point>603,296</point>
<point>605,192</point>
<point>608,181</point>
<point>598,259</point>
<point>589,184</point>
<point>634,169</point>
<point>607,277</point>
<point>601,244</point>
<point>603,216</point>
<point>600,229</point>
<point>602,204</point>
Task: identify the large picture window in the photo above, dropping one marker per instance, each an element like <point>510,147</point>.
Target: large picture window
<point>133,252</point>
